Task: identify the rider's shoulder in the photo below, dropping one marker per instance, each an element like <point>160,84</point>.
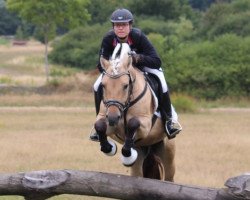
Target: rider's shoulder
<point>136,32</point>
<point>110,34</point>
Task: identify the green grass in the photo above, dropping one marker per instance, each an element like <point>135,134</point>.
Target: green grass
<point>39,138</point>
<point>4,41</point>
<point>24,65</point>
<point>6,80</point>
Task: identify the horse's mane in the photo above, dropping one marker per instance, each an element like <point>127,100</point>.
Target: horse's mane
<point>120,50</point>
<point>119,53</point>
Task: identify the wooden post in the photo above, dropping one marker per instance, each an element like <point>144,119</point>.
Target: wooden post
<point>41,185</point>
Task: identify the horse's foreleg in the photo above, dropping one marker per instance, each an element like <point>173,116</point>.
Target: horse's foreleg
<point>107,147</point>
<point>129,155</point>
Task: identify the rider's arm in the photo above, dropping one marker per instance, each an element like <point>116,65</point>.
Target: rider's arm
<point>106,48</point>
<point>146,53</point>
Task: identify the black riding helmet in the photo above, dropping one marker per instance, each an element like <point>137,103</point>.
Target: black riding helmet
<point>121,15</point>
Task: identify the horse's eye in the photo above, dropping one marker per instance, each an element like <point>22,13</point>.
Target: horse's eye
<point>103,86</point>
<point>125,87</point>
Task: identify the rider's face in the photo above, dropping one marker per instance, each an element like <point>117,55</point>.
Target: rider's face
<point>122,29</point>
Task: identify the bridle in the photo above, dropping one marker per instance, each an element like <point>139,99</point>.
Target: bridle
<point>123,107</point>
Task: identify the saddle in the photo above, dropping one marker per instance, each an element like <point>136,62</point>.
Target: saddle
<point>154,83</point>
<point>156,87</point>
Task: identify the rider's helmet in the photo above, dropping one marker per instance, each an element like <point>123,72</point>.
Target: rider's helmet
<point>121,15</point>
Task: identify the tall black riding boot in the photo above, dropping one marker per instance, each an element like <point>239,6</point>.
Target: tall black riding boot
<point>98,98</point>
<point>166,108</point>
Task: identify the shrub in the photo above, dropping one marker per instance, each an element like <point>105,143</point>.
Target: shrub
<point>183,103</point>
<point>209,69</point>
<point>3,41</point>
<point>224,18</point>
<point>79,48</point>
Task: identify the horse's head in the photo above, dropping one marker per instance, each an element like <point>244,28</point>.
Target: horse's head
<point>117,82</point>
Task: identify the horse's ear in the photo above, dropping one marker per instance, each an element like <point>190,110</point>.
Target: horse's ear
<point>129,60</point>
<point>104,63</point>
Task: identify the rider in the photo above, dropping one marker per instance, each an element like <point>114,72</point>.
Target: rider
<point>144,58</point>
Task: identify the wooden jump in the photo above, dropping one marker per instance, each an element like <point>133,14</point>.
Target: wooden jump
<point>40,185</point>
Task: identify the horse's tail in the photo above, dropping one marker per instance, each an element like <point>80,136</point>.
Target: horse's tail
<point>153,167</point>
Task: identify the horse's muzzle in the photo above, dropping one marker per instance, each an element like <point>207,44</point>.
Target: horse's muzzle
<point>113,115</point>
<point>113,120</point>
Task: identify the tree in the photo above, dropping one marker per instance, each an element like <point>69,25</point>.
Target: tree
<point>2,3</point>
<point>79,48</point>
<point>223,18</point>
<point>168,9</point>
<point>8,22</point>
<point>106,7</point>
<point>201,4</point>
<point>47,15</point>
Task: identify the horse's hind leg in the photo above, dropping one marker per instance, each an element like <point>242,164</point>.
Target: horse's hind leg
<point>166,151</point>
<point>136,169</point>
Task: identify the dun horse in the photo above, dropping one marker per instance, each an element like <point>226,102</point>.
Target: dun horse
<point>126,115</point>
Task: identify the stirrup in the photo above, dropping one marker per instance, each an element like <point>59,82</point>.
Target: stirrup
<point>172,129</point>
<point>93,135</point>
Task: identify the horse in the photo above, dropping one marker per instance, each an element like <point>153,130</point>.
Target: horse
<point>126,116</point>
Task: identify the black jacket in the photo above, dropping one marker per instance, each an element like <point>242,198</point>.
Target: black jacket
<point>138,42</point>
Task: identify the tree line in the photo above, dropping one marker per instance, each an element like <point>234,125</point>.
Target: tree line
<point>204,44</point>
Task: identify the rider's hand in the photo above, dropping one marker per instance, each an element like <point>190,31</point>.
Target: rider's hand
<point>135,59</point>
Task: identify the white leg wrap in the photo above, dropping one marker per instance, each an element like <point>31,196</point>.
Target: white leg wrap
<point>114,148</point>
<point>128,161</point>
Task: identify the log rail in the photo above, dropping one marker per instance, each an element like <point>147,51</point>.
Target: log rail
<point>40,185</point>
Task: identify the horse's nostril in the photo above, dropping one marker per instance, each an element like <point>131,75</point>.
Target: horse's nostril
<point>113,119</point>
<point>112,122</point>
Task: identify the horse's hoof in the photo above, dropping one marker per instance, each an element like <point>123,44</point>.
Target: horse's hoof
<point>113,149</point>
<point>129,161</point>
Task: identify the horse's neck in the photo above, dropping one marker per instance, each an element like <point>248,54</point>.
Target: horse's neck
<point>145,106</point>
<point>139,82</point>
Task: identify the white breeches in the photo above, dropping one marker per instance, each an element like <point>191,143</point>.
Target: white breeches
<point>159,73</point>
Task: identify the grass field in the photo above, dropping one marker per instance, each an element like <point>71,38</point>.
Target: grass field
<point>39,131</point>
<point>213,146</point>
